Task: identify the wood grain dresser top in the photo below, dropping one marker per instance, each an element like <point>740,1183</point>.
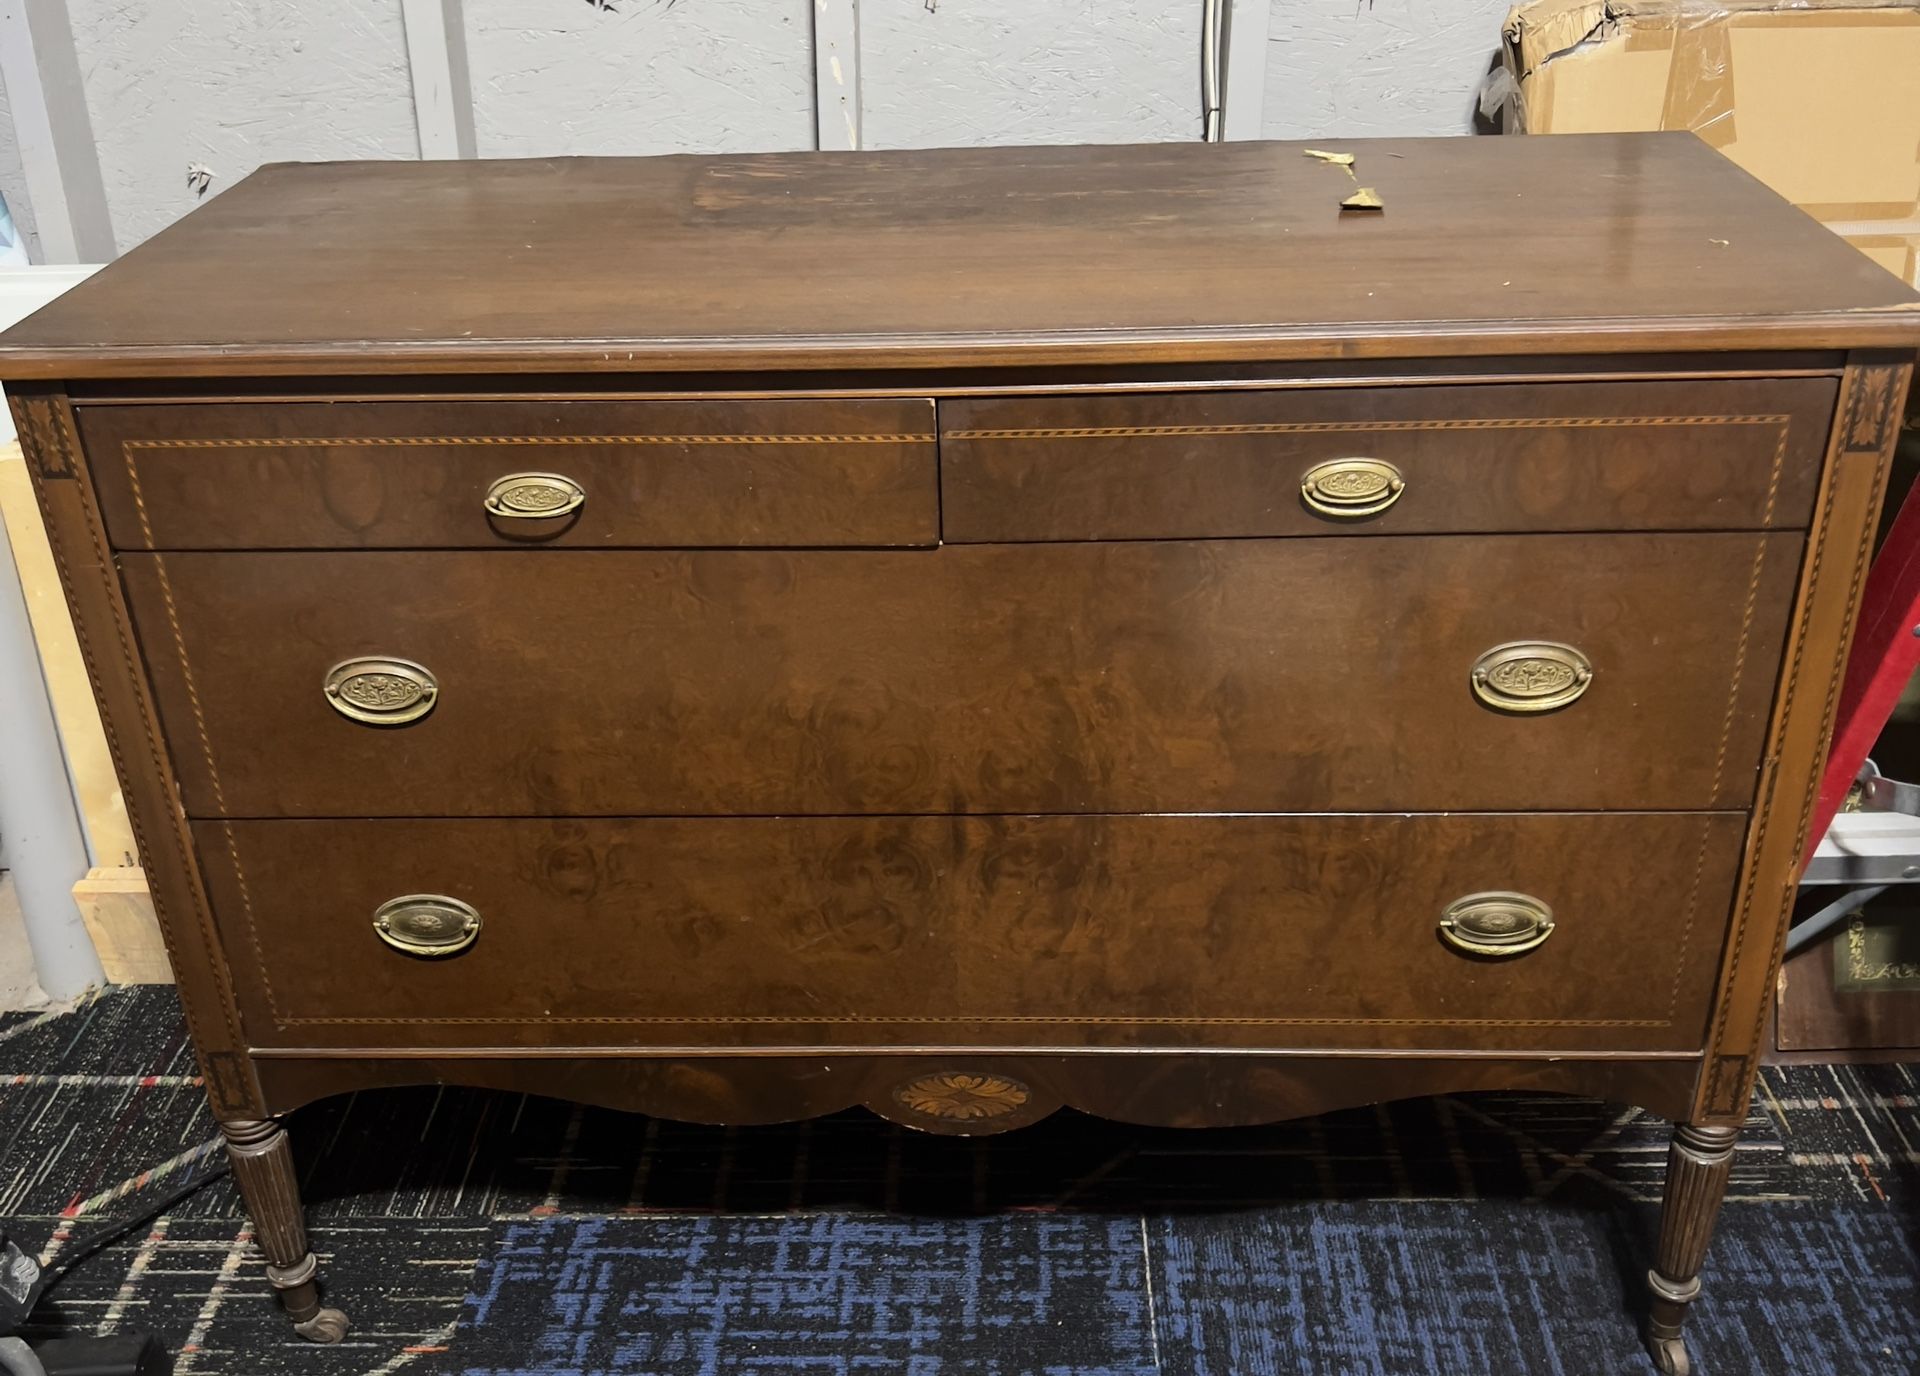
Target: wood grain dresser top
<point>1162,253</point>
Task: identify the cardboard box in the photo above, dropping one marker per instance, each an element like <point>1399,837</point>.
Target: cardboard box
<point>1820,100</point>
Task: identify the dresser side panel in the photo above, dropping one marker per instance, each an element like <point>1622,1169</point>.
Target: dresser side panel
<point>1859,455</point>
<point>140,754</point>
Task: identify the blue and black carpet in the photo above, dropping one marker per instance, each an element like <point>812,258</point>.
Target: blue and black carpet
<point>480,1234</point>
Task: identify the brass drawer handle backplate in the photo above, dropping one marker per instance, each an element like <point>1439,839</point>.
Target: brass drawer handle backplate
<point>534,496</point>
<point>1498,924</point>
<point>427,924</point>
<point>381,691</point>
<point>1531,676</point>
<point>1347,489</point>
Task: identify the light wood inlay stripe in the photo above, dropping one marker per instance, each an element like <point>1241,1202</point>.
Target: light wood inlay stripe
<point>1086,432</point>
<point>426,441</point>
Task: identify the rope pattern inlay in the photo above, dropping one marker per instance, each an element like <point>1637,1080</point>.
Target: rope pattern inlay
<point>1861,560</point>
<point>58,421</point>
<point>1329,426</point>
<point>206,740</point>
<point>1726,724</point>
<point>1711,1099</point>
<point>405,441</point>
<point>912,1020</point>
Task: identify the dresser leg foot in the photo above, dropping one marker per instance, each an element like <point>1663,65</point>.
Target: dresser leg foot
<point>263,1168</point>
<point>1698,1163</point>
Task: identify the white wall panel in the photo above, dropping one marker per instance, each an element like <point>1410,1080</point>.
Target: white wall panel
<point>230,84</point>
<point>953,73</point>
<point>553,77</point>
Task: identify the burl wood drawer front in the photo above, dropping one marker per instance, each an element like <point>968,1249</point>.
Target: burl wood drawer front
<point>1719,455</point>
<point>1256,676</point>
<point>1036,931</point>
<point>375,475</point>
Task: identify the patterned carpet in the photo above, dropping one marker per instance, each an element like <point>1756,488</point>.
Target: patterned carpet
<point>482,1234</point>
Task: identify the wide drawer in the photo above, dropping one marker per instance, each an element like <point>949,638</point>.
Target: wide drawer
<point>987,931</point>
<point>1248,676</point>
<point>1696,455</point>
<point>481,474</point>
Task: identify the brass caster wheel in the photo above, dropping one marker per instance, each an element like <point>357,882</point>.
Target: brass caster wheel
<point>328,1326</point>
<point>1669,1356</point>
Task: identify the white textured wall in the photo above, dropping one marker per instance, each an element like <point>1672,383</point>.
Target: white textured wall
<point>230,84</point>
<point>1377,68</point>
<point>947,73</point>
<point>13,181</point>
<point>645,76</point>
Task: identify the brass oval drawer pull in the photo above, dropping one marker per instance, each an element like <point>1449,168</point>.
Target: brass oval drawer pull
<point>1530,676</point>
<point>534,496</point>
<point>1347,489</point>
<point>427,924</point>
<point>380,691</point>
<point>1496,924</point>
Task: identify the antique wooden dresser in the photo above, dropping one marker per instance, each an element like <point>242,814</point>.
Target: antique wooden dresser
<point>972,632</point>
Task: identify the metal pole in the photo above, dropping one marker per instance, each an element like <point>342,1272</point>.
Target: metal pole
<point>1213,20</point>
<point>40,831</point>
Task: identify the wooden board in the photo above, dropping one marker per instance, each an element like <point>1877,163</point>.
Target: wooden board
<point>117,907</point>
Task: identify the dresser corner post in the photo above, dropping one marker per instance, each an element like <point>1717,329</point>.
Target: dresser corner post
<point>1834,563</point>
<point>263,1168</point>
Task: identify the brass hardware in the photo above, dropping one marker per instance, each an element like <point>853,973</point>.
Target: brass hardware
<point>1531,676</point>
<point>427,924</point>
<point>381,691</point>
<point>534,496</point>
<point>1496,924</point>
<point>1347,489</point>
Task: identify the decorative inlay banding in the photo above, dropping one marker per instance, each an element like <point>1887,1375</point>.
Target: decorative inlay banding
<point>959,1096</point>
<point>1086,432</point>
<point>403,441</point>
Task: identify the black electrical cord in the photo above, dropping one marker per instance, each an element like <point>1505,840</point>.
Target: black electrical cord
<point>24,1285</point>
<point>79,1252</point>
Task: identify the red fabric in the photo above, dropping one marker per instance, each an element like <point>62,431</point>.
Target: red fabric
<point>1885,651</point>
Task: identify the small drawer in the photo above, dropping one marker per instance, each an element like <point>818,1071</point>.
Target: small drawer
<point>1424,674</point>
<point>1713,455</point>
<point>1585,932</point>
<point>501,474</point>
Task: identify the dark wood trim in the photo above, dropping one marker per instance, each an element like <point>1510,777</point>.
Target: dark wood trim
<point>1449,371</point>
<point>1155,1088</point>
<point>1889,328</point>
<point>568,1053</point>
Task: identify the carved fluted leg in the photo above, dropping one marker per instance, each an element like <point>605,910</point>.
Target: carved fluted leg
<point>263,1168</point>
<point>1698,1164</point>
